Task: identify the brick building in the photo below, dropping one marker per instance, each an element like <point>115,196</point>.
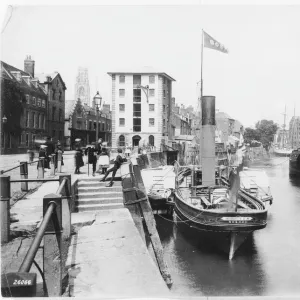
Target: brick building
<point>55,89</point>
<point>141,108</point>
<point>24,104</point>
<point>80,122</point>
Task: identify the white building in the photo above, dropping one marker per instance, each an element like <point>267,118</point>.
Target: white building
<point>141,108</point>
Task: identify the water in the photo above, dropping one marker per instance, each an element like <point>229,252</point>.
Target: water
<point>268,264</point>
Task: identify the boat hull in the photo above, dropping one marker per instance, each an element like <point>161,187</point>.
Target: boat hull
<point>294,163</point>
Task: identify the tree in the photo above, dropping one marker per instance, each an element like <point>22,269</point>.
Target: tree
<point>250,135</point>
<point>266,130</point>
<point>12,98</point>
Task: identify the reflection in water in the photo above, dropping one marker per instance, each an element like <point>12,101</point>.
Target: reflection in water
<point>267,263</point>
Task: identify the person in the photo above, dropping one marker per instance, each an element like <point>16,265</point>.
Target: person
<point>50,146</point>
<point>103,160</point>
<point>91,152</point>
<point>43,153</point>
<point>58,148</point>
<point>117,164</point>
<point>99,145</point>
<point>78,158</point>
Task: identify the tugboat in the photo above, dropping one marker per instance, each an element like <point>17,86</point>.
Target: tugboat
<point>223,214</point>
<point>294,165</point>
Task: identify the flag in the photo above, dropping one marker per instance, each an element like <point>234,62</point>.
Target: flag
<point>210,42</point>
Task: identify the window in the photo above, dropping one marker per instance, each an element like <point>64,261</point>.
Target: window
<point>137,95</point>
<point>53,94</point>
<point>151,140</point>
<point>136,110</point>
<point>90,125</point>
<point>27,119</point>
<point>94,125</point>
<point>39,102</point>
<point>41,121</point>
<point>27,139</point>
<point>151,122</point>
<point>53,133</point>
<point>151,107</point>
<point>59,115</point>
<point>60,96</point>
<point>121,93</point>
<point>38,121</point>
<point>53,113</point>
<point>164,93</point>
<point>121,140</point>
<point>137,125</point>
<point>122,122</point>
<point>164,108</point>
<point>33,101</point>
<point>33,119</point>
<point>151,92</point>
<point>43,103</point>
<point>79,124</point>
<point>151,79</point>
<point>121,107</point>
<point>27,99</point>
<point>136,80</point>
<point>122,79</point>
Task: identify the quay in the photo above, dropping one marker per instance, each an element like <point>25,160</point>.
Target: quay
<point>106,249</point>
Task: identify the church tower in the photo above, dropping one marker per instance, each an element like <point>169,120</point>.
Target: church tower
<point>82,86</point>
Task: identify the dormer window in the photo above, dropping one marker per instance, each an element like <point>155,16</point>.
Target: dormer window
<point>33,101</point>
<point>17,75</point>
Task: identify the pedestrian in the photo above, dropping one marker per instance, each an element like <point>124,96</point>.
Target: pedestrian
<point>57,149</point>
<point>92,152</point>
<point>78,158</point>
<point>103,160</point>
<point>50,146</point>
<point>43,154</point>
<point>117,164</point>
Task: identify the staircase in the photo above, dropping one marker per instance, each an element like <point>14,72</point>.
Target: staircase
<point>93,195</point>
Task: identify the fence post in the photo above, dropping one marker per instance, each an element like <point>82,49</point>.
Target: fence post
<point>59,159</point>
<point>66,206</point>
<point>24,175</point>
<point>41,165</point>
<point>52,167</point>
<point>5,208</point>
<point>52,260</point>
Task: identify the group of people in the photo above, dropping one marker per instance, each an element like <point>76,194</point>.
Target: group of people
<point>49,148</point>
<point>97,153</point>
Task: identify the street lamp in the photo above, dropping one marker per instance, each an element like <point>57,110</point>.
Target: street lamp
<point>97,101</point>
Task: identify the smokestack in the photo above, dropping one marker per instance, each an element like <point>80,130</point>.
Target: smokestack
<point>29,65</point>
<point>208,140</point>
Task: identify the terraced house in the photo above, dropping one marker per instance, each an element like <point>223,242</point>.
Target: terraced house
<point>23,108</point>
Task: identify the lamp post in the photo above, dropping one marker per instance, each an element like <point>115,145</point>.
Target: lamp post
<point>97,103</point>
<point>4,120</point>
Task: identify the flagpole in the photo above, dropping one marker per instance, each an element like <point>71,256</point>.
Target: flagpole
<point>201,92</point>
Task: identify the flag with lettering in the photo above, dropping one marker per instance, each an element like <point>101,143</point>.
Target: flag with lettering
<point>210,42</point>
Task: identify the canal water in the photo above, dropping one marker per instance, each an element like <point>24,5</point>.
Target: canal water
<point>268,264</point>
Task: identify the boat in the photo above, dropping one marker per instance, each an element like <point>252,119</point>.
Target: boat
<point>225,214</point>
<point>294,163</point>
<point>160,183</point>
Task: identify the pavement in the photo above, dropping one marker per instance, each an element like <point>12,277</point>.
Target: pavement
<point>107,256</point>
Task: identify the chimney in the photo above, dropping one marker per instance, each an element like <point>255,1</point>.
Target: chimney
<point>29,65</point>
<point>208,140</point>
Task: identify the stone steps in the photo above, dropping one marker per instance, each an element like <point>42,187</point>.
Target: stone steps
<point>93,195</point>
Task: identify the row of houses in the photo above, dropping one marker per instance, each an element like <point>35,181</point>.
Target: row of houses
<point>33,107</point>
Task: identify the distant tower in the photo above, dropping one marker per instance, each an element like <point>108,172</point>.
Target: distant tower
<point>82,86</point>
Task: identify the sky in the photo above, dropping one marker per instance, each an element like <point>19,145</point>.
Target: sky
<point>255,80</point>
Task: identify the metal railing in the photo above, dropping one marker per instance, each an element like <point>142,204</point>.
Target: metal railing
<point>55,229</point>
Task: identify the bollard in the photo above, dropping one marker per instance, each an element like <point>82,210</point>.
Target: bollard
<point>52,167</point>
<point>24,175</point>
<point>66,206</point>
<point>52,260</point>
<point>41,164</point>
<point>5,208</point>
<point>59,159</point>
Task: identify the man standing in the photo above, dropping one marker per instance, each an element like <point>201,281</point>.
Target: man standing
<point>92,158</point>
<point>117,164</point>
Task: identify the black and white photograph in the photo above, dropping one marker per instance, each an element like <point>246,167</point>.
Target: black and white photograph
<point>150,149</point>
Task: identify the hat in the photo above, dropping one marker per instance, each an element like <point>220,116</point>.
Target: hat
<point>43,146</point>
<point>77,140</point>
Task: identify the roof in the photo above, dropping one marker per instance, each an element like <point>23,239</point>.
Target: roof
<point>222,115</point>
<point>69,107</point>
<point>184,137</point>
<point>42,77</point>
<point>142,70</point>
<point>7,73</point>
